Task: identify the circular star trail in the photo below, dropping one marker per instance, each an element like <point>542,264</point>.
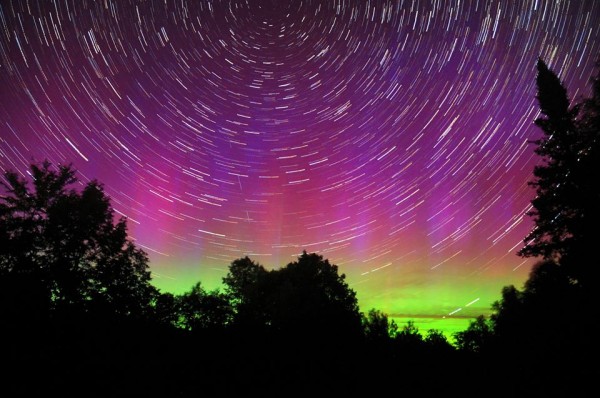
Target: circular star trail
<point>389,136</point>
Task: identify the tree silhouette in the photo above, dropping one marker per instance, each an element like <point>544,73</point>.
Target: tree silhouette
<point>306,297</point>
<point>292,323</point>
<point>75,292</point>
<point>437,342</point>
<point>165,309</point>
<point>246,285</point>
<point>565,209</point>
<point>477,337</point>
<point>76,300</point>
<point>61,251</point>
<point>377,327</point>
<point>409,335</point>
<point>314,297</point>
<point>509,315</point>
<point>200,310</point>
<point>546,332</point>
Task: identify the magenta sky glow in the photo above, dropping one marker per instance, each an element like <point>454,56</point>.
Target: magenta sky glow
<point>388,136</point>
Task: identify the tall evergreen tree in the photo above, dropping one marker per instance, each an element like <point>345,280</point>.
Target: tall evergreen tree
<point>567,191</point>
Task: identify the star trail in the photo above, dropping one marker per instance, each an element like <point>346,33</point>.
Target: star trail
<point>389,136</point>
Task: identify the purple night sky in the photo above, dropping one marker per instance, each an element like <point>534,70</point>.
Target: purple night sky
<point>389,136</point>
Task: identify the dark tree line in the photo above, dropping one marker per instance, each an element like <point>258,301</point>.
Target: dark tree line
<point>79,312</point>
<point>548,331</point>
<point>79,315</point>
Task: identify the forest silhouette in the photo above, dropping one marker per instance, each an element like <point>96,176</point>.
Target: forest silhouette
<point>80,316</point>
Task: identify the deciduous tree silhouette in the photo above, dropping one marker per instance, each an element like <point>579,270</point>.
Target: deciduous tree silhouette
<point>437,343</point>
<point>75,292</point>
<point>246,284</point>
<point>316,299</point>
<point>409,335</point>
<point>298,323</point>
<point>306,297</point>
<point>199,310</point>
<point>76,298</point>
<point>477,337</point>
<point>62,251</point>
<point>378,328</point>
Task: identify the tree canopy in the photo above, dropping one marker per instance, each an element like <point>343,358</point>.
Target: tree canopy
<point>62,250</point>
<point>565,208</point>
<point>550,324</point>
<point>65,258</point>
<point>307,297</point>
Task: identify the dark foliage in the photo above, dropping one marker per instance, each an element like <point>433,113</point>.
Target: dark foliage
<point>546,333</point>
<point>74,291</point>
<point>565,209</point>
<point>79,317</point>
<point>62,253</point>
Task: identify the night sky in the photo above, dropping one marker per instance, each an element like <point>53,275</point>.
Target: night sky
<point>389,136</point>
